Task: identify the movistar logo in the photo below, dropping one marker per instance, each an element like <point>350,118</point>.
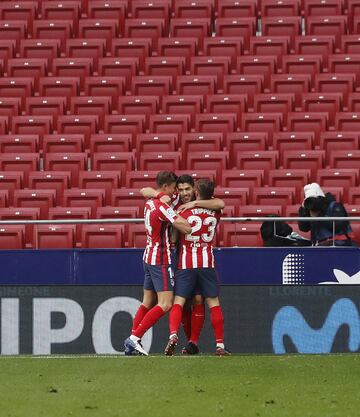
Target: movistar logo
<point>290,322</point>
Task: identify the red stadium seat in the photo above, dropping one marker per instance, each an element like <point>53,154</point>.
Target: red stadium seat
<point>270,45</point>
<point>274,196</point>
<point>299,141</point>
<point>347,121</point>
<point>156,142</point>
<point>302,64</point>
<point>345,64</point>
<point>145,28</point>
<point>353,9</point>
<point>274,103</point>
<point>20,162</point>
<point>211,65</point>
<point>124,124</point>
<point>106,180</point>
<point>86,48</point>
<point>216,160</point>
<point>253,64</point>
<point>44,199</point>
<point>239,27</point>
<point>354,195</point>
<point>57,143</point>
<point>4,198</point>
<point>134,48</point>
<point>227,103</point>
<point>40,48</point>
<point>276,8</point>
<point>128,197</point>
<point>190,28</point>
<point>262,122</point>
<point>295,178</point>
<point>315,122</point>
<point>80,124</point>
<point>20,10</point>
<point>318,8</point>
<point>216,122</point>
<point>104,142</point>
<point>245,141</point>
<point>59,87</point>
<point>10,106</point>
<point>40,125</point>
<point>345,159</point>
<point>200,142</point>
<point>67,213</point>
<point>196,84</point>
<point>55,236</point>
<point>16,87</point>
<point>19,143</point>
<point>240,234</point>
<point>81,197</point>
<point>161,161</point>
<point>169,123</point>
<point>337,192</point>
<point>145,105</point>
<point>247,178</point>
<point>50,180</point>
<point>233,196</point>
<point>53,29</point>
<point>248,84</point>
<point>323,102</point>
<point>197,173</point>
<point>122,67</point>
<point>282,26</point>
<point>42,106</point>
<point>224,46</point>
<point>342,177</point>
<point>235,9</point>
<point>12,237</point>
<point>330,141</point>
<point>10,181</point>
<point>160,65</point>
<point>332,25</point>
<point>353,210</point>
<point>296,84</point>
<point>102,236</point>
<point>72,162</point>
<point>100,29</point>
<point>264,160</point>
<point>113,161</point>
<point>183,105</point>
<point>253,210</point>
<point>24,213</point>
<point>106,87</point>
<point>158,85</point>
<point>13,30</point>
<point>354,102</point>
<point>7,49</point>
<point>86,105</point>
<point>189,9</point>
<point>137,236</point>
<point>73,67</point>
<point>313,160</point>
<point>109,9</point>
<point>3,124</point>
<point>335,83</point>
<point>178,47</point>
<point>142,9</point>
<point>319,45</point>
<point>350,44</point>
<point>58,10</point>
<point>28,67</point>
<point>140,179</point>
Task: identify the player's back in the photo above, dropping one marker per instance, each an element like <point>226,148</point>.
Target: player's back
<point>196,248</point>
<point>157,217</point>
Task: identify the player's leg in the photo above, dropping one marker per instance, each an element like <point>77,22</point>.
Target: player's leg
<point>197,323</point>
<point>149,300</point>
<point>186,319</point>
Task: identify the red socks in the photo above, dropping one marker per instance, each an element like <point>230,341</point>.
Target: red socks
<point>197,322</point>
<point>150,318</point>
<point>175,318</point>
<point>217,322</point>
<point>186,320</point>
<point>140,314</point>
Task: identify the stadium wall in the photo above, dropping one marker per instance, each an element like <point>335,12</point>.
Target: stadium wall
<point>46,320</point>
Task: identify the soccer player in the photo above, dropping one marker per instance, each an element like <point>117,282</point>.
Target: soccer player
<point>193,316</point>
<point>158,282</point>
<point>196,268</point>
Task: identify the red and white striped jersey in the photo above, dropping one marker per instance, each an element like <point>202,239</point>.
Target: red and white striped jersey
<point>196,248</point>
<point>158,217</point>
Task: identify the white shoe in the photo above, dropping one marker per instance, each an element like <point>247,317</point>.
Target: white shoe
<point>139,348</point>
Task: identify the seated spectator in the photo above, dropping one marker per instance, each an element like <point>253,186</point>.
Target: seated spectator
<point>324,233</point>
<point>280,234</point>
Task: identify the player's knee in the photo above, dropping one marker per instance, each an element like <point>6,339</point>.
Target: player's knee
<point>166,306</point>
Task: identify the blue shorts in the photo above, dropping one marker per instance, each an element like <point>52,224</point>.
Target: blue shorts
<point>158,277</point>
<point>192,281</point>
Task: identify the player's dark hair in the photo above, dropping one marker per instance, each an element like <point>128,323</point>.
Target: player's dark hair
<point>188,179</point>
<point>205,188</point>
<point>165,178</point>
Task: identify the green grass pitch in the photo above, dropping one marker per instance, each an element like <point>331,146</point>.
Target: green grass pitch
<point>156,386</point>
